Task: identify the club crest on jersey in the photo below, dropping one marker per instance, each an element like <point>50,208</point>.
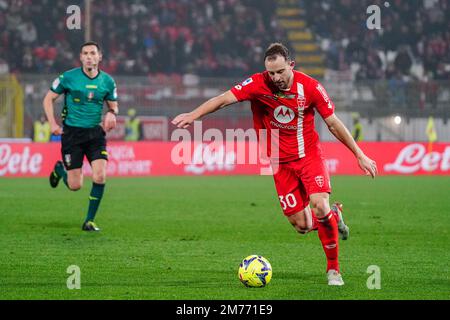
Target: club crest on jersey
<point>301,101</point>
<point>283,114</point>
<point>319,180</point>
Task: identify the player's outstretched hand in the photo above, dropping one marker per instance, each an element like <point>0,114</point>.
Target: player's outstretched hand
<point>183,120</point>
<point>368,165</point>
<point>109,122</point>
<point>56,129</point>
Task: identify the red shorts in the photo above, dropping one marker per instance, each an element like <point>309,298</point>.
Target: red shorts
<point>295,181</point>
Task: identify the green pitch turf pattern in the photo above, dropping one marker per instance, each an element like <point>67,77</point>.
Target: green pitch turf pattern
<point>183,238</point>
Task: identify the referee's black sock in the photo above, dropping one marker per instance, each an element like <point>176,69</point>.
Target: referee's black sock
<point>94,200</point>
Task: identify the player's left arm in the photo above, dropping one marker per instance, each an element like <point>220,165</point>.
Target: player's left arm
<point>325,107</point>
<point>109,122</point>
<point>340,131</point>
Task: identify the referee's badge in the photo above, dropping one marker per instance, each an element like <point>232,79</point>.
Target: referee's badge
<point>90,95</point>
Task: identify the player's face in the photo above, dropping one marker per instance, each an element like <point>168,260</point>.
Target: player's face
<point>280,71</point>
<point>90,57</point>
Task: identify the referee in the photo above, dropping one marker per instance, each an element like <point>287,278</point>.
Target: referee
<point>85,90</point>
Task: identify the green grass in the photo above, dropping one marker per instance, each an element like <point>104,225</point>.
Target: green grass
<point>183,238</point>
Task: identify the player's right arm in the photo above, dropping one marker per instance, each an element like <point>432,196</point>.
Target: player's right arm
<point>184,120</point>
<point>58,87</point>
<point>241,92</point>
<point>49,99</point>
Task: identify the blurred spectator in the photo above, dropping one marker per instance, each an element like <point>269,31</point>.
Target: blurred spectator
<point>41,132</point>
<point>397,88</point>
<point>133,126</point>
<point>4,68</point>
<point>28,33</point>
<point>403,61</point>
<point>357,131</point>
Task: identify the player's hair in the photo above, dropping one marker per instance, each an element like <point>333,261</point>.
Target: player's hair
<point>90,43</point>
<point>277,49</point>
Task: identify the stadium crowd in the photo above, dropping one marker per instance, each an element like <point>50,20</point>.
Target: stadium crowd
<point>414,39</point>
<point>209,38</point>
<point>226,38</point>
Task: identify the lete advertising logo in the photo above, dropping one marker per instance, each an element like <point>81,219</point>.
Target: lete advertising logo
<point>22,162</point>
<point>414,158</point>
<point>208,158</point>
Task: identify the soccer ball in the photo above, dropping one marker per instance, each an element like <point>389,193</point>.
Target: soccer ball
<point>255,271</point>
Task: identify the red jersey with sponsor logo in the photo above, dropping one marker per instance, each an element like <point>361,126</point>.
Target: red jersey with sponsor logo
<point>290,111</point>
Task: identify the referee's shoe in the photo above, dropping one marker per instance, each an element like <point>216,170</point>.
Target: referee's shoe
<point>90,226</point>
<point>54,176</point>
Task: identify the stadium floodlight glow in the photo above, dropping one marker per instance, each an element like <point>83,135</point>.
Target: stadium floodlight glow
<point>397,120</point>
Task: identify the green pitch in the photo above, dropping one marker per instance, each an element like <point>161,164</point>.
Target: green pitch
<point>183,238</point>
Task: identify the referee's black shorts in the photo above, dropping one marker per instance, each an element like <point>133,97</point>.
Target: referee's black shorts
<point>79,142</point>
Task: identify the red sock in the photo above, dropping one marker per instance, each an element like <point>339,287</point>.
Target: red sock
<point>328,235</point>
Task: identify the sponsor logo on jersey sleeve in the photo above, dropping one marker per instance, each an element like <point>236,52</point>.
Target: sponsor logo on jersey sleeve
<point>323,92</point>
<point>247,82</point>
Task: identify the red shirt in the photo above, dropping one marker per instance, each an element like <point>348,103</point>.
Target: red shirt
<point>290,111</point>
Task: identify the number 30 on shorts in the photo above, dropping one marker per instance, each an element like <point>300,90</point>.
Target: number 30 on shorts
<point>288,201</point>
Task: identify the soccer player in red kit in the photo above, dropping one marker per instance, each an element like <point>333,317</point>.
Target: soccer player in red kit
<point>284,102</point>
